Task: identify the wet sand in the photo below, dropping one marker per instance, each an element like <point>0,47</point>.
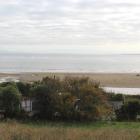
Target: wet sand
<point>127,80</point>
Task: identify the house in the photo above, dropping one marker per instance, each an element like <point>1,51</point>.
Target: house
<point>26,104</point>
<point>116,104</point>
<point>2,114</point>
<point>29,106</point>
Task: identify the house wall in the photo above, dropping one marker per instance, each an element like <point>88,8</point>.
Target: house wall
<point>26,105</point>
<point>116,104</point>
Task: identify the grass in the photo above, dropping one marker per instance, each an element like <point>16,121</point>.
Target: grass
<point>13,130</point>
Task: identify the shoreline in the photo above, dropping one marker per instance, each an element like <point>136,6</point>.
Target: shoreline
<point>127,80</point>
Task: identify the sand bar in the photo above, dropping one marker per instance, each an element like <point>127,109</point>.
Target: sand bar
<point>128,80</point>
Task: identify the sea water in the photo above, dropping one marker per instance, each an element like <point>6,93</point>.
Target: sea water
<point>112,63</point>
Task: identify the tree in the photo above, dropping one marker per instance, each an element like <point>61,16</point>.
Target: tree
<point>24,88</point>
<point>10,101</point>
<point>42,97</point>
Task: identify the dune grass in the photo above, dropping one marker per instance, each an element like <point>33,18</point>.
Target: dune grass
<point>13,130</point>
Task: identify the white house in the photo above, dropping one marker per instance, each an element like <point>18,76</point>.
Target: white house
<point>116,104</point>
<point>26,104</point>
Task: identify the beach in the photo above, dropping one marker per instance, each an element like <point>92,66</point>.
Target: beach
<point>127,80</point>
<point>110,70</point>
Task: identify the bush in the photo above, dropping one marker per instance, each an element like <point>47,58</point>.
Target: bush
<point>128,111</point>
<point>70,99</point>
<point>116,97</point>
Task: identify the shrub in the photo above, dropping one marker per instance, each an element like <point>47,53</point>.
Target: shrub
<point>128,111</point>
<point>70,99</point>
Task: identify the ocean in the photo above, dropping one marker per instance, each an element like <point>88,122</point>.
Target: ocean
<point>112,63</point>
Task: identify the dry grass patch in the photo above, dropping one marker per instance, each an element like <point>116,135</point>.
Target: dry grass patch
<point>17,131</point>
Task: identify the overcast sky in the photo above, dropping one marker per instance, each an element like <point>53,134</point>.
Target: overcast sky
<point>70,26</point>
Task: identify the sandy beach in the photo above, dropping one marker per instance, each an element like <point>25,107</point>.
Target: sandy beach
<point>128,80</point>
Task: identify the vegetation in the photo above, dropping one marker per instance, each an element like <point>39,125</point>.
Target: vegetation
<point>12,130</point>
<point>130,108</point>
<point>24,88</point>
<point>116,97</point>
<point>68,99</point>
<point>10,101</point>
<point>129,111</point>
<point>72,108</point>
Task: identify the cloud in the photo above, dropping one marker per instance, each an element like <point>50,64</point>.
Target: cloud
<point>69,22</point>
<point>7,2</point>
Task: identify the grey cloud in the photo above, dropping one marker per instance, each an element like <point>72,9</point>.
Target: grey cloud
<point>57,22</point>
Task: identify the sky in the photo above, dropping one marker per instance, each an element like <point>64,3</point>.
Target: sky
<point>70,26</point>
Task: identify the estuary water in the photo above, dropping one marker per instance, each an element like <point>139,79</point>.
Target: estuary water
<point>127,91</point>
<point>113,63</point>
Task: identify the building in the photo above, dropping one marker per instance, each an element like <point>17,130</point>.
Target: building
<point>26,104</point>
<point>116,104</point>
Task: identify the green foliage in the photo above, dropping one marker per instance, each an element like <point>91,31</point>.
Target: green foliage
<point>5,84</point>
<point>116,97</point>
<point>24,88</point>
<point>52,84</point>
<point>131,98</point>
<point>10,101</point>
<point>41,95</point>
<point>128,111</point>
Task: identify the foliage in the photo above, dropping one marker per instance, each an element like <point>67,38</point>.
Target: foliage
<point>5,84</point>
<point>116,97</point>
<point>52,84</point>
<point>41,95</point>
<point>24,88</point>
<point>10,101</point>
<point>129,111</point>
<point>69,99</point>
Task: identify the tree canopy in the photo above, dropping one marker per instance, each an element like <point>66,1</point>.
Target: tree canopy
<point>10,100</point>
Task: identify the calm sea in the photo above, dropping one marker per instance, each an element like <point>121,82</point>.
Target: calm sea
<point>117,63</point>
